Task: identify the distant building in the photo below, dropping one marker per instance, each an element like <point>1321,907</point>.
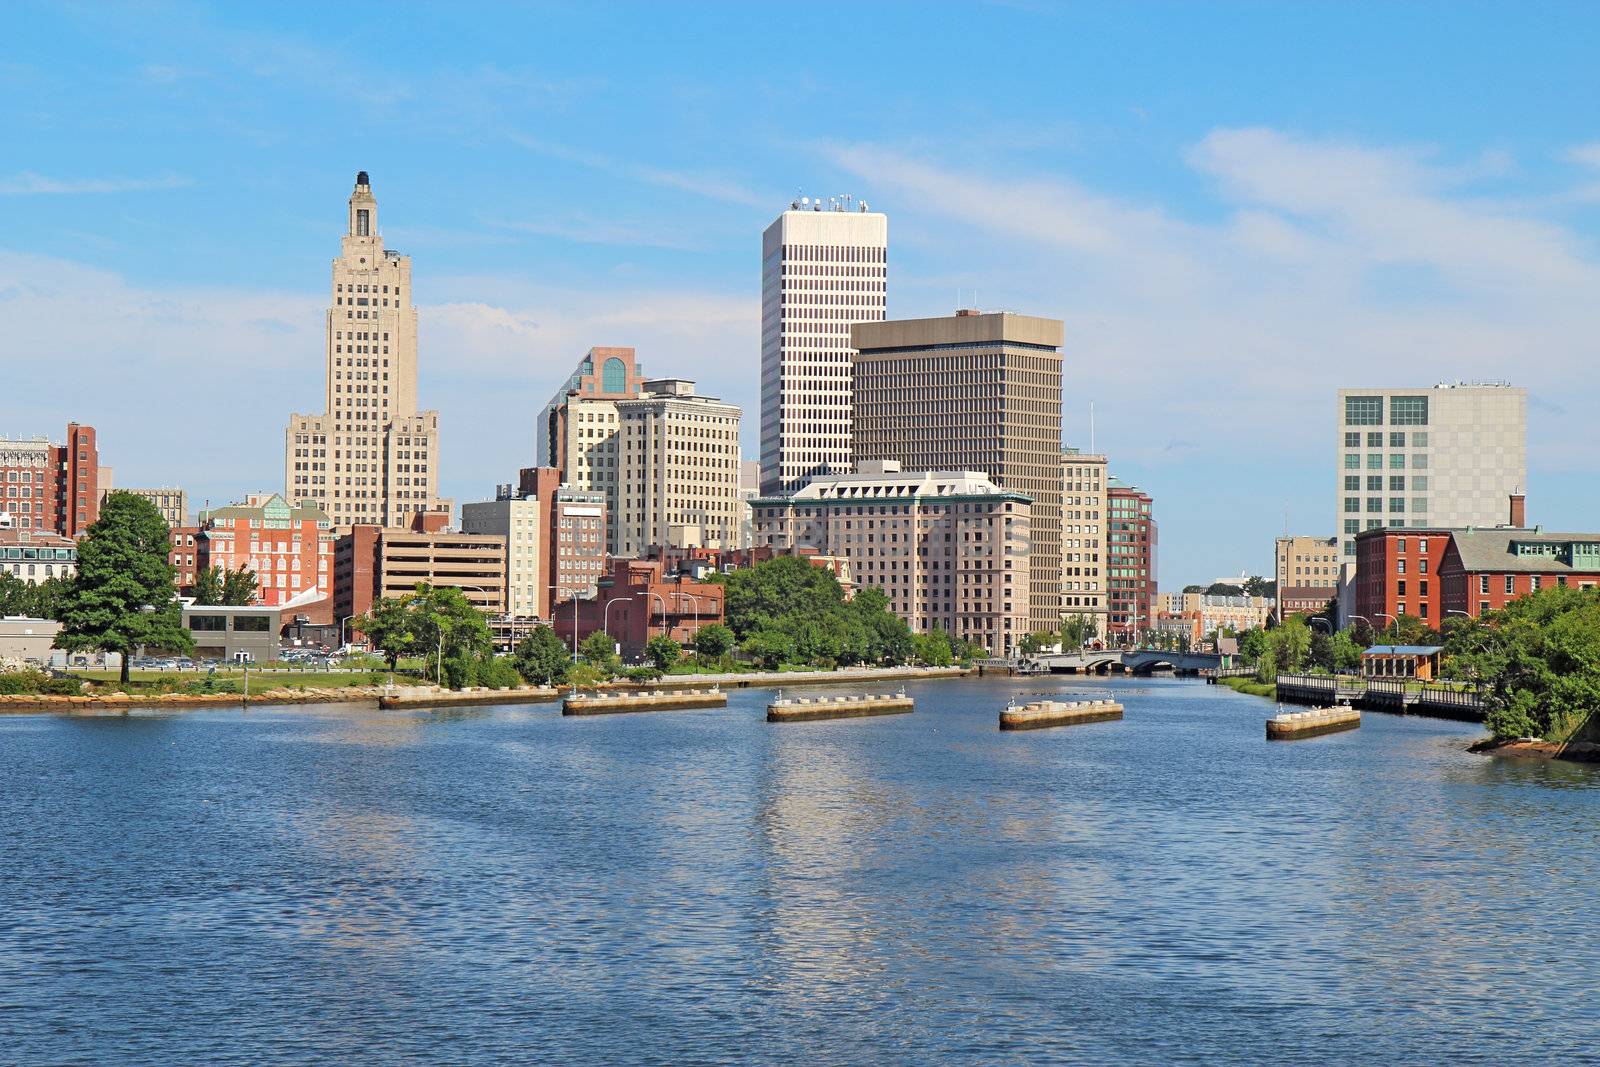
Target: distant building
<point>1305,572</point>
<point>50,488</point>
<point>555,539</point>
<point>949,548</point>
<point>173,503</point>
<point>37,556</point>
<point>235,634</point>
<point>1440,458</point>
<point>290,549</point>
<point>677,470</point>
<point>823,267</point>
<point>1130,561</point>
<point>370,456</point>
<point>1199,616</point>
<point>749,489</point>
<point>25,640</point>
<point>374,562</point>
<point>577,432</point>
<point>636,602</point>
<point>184,556</point>
<point>1484,570</point>
<point>1083,536</point>
<point>971,392</point>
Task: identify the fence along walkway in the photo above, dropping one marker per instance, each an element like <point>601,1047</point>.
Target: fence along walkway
<point>1381,694</point>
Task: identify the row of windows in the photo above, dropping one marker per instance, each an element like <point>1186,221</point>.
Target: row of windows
<point>1375,461</point>
<point>1403,410</point>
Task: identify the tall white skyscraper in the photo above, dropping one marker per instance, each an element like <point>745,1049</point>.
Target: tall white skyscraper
<point>371,457</point>
<point>1446,457</point>
<point>823,267</point>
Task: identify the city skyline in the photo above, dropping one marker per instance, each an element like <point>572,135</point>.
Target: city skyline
<point>1288,250</point>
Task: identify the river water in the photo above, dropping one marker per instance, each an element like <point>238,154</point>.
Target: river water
<point>339,885</point>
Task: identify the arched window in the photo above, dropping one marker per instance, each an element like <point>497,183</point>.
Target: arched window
<point>614,376</point>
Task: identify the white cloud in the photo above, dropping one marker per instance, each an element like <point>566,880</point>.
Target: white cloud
<point>28,183</point>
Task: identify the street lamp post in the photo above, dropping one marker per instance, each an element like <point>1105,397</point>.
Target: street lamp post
<point>658,596</point>
<point>605,617</point>
<point>1392,619</point>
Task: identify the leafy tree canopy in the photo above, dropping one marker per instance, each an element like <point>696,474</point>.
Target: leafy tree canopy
<point>214,585</point>
<point>541,658</point>
<point>436,623</point>
<point>662,651</point>
<point>123,597</point>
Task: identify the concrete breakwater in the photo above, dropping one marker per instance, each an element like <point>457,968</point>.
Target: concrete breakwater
<point>841,676</point>
<point>813,709</point>
<point>427,696</point>
<point>119,701</point>
<point>1292,724</point>
<point>1044,713</point>
<point>659,700</point>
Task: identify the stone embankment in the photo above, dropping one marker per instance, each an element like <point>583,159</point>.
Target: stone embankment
<point>119,701</point>
<point>1296,724</point>
<point>1045,713</point>
<point>615,703</point>
<point>814,709</point>
<point>843,676</point>
<point>427,696</point>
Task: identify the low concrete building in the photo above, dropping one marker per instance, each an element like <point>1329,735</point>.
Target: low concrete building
<point>950,548</point>
<point>25,640</point>
<point>234,633</point>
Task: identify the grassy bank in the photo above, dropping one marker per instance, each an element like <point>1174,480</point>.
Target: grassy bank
<point>1250,687</point>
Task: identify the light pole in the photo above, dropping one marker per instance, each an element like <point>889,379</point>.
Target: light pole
<point>1313,620</point>
<point>1392,619</point>
<point>605,617</point>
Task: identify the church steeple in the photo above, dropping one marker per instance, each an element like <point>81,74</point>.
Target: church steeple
<point>363,209</point>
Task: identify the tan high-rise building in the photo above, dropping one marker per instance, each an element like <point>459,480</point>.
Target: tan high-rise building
<point>578,429</point>
<point>1083,536</point>
<point>678,470</point>
<point>1306,573</point>
<point>948,548</point>
<point>971,392</point>
<point>172,502</point>
<point>371,457</point>
<point>823,267</point>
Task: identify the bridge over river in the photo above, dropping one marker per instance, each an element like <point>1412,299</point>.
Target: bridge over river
<point>1138,661</point>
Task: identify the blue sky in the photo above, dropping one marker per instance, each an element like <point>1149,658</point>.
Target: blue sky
<point>1237,208</point>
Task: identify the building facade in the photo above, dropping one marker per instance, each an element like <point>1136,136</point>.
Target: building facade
<point>949,548</point>
<point>1199,617</point>
<point>971,392</point>
<point>1305,569</point>
<point>578,552</point>
<point>677,471</point>
<point>1130,561</point>
<point>578,429</point>
<point>1083,537</point>
<point>823,268</point>
<point>1444,457</point>
<point>1484,570</point>
<point>555,539</point>
<point>184,556</point>
<point>290,549</point>
<point>51,488</point>
<point>637,601</point>
<point>36,556</point>
<point>172,502</point>
<point>374,562</point>
<point>1397,573</point>
<point>371,457</point>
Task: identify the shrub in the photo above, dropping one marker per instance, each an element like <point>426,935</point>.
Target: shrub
<point>14,683</point>
<point>642,674</point>
<point>61,687</point>
<point>498,673</point>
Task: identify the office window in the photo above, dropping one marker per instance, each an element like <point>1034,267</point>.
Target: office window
<point>1397,483</point>
<point>1374,461</point>
<point>1352,526</point>
<point>1419,439</point>
<point>1511,585</point>
<point>1397,504</point>
<point>1419,482</point>
<point>1352,439</point>
<point>1375,440</point>
<point>1374,483</point>
<point>1399,566</point>
<point>1419,462</point>
<point>1397,461</point>
<point>1352,461</point>
<point>1352,503</point>
<point>1419,503</point>
<point>1363,411</point>
<point>1408,410</point>
<point>1352,483</point>
<point>1375,503</point>
<point>1483,585</point>
<point>1397,440</point>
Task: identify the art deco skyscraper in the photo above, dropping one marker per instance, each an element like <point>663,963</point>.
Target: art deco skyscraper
<point>372,457</point>
<point>823,268</point>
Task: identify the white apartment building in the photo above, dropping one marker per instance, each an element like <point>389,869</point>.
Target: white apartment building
<point>949,548</point>
<point>823,267</point>
<point>1445,457</point>
<point>677,479</point>
<point>371,456</point>
<point>1083,536</point>
<point>517,520</point>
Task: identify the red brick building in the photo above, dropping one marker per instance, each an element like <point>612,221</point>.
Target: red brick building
<point>1484,570</point>
<point>1131,561</point>
<point>290,549</point>
<point>184,555</point>
<point>637,603</point>
<point>1397,573</point>
<point>373,562</point>
<point>51,488</point>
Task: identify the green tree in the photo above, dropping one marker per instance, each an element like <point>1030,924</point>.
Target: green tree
<point>1345,652</point>
<point>1291,643</point>
<point>761,595</point>
<point>713,641</point>
<point>1194,589</point>
<point>769,648</point>
<point>388,625</point>
<point>1076,631</point>
<point>663,651</point>
<point>122,597</point>
<point>239,587</point>
<point>1032,643</point>
<point>1224,589</point>
<point>208,586</point>
<point>541,658</point>
<point>1256,585</point>
<point>437,623</point>
<point>599,650</point>
<point>933,649</point>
